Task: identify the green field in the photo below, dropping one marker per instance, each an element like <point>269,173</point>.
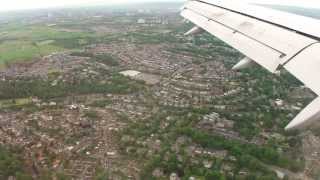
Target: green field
<point>22,43</point>
<point>13,51</point>
<point>14,102</point>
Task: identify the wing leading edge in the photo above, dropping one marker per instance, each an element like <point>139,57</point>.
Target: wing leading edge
<point>264,41</point>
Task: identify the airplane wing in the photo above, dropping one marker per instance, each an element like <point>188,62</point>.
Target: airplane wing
<point>270,38</point>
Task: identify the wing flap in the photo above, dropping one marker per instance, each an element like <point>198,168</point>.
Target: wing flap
<point>263,55</point>
<point>302,24</point>
<point>282,40</point>
<point>306,67</point>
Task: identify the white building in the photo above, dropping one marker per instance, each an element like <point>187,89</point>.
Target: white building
<point>141,21</point>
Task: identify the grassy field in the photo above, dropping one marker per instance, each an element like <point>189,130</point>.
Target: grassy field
<point>14,102</point>
<point>13,51</point>
<point>22,43</point>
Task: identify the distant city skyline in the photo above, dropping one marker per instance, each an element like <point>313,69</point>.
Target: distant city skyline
<point>35,4</point>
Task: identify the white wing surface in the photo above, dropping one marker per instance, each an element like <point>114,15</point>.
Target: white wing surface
<point>270,38</point>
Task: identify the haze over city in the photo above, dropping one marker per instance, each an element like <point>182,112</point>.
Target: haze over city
<point>35,4</point>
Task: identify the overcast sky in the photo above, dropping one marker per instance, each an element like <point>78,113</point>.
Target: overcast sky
<point>31,4</point>
<point>299,3</point>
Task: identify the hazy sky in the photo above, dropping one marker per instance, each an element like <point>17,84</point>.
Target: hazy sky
<point>30,4</point>
<point>299,3</point>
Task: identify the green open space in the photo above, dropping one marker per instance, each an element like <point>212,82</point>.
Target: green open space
<point>22,43</point>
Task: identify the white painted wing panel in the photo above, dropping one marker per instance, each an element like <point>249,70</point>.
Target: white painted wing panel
<point>306,67</point>
<point>295,22</point>
<point>263,55</point>
<point>282,40</point>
